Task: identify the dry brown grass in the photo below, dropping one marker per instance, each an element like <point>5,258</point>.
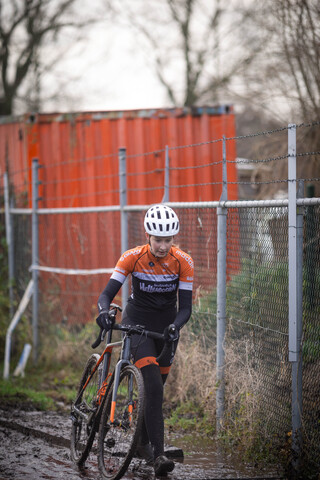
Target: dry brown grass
<point>193,375</point>
<point>193,378</point>
<point>243,387</point>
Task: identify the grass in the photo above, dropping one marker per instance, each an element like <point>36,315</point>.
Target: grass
<point>190,417</point>
<point>190,393</point>
<point>41,389</point>
<point>15,393</point>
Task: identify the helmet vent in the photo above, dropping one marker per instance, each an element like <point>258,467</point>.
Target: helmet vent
<point>161,220</point>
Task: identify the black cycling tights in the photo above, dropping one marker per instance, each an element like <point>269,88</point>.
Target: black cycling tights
<point>153,425</point>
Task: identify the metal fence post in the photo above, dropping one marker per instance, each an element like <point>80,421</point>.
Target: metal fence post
<point>295,243</point>
<point>166,196</point>
<point>123,214</point>
<point>9,239</point>
<point>35,257</point>
<point>221,292</point>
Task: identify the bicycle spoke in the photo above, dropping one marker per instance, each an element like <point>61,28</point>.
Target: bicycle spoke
<point>82,413</point>
<point>118,438</point>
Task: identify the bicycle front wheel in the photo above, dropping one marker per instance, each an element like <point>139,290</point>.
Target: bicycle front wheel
<point>83,412</point>
<point>118,436</point>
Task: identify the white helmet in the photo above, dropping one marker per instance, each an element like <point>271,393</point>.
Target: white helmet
<point>161,221</point>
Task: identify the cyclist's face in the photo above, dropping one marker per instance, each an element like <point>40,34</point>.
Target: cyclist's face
<point>160,246</point>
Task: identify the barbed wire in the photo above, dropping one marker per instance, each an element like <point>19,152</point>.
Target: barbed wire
<point>145,154</point>
<point>263,160</point>
<point>258,183</point>
<point>269,182</point>
<point>156,170</point>
<point>81,195</point>
<point>193,167</point>
<point>309,179</point>
<point>83,159</point>
<point>308,125</point>
<point>66,162</point>
<point>196,185</point>
<point>174,148</point>
<point>275,130</point>
<point>257,134</point>
<point>189,167</point>
<point>79,179</point>
<point>209,142</point>
<point>175,186</point>
<point>307,154</point>
<point>191,145</point>
<point>161,187</point>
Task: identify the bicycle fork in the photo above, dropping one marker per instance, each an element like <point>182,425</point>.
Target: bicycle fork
<point>124,360</point>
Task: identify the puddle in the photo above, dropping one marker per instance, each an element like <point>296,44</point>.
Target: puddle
<point>35,446</point>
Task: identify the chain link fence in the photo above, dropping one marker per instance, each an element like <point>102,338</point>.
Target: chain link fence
<point>258,375</point>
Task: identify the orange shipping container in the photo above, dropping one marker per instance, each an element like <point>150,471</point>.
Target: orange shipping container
<point>79,153</point>
<point>80,167</point>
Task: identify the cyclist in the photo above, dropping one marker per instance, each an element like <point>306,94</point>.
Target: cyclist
<point>161,274</point>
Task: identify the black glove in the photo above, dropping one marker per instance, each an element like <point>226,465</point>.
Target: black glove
<point>171,333</point>
<point>104,321</point>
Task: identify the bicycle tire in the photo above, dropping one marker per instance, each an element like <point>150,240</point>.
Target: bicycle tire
<point>117,442</point>
<point>84,426</point>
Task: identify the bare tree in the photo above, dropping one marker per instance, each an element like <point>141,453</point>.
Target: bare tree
<point>196,47</point>
<point>26,26</point>
<point>300,37</point>
<point>286,77</point>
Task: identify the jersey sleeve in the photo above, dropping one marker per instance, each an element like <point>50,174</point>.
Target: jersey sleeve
<point>125,265</point>
<point>186,272</point>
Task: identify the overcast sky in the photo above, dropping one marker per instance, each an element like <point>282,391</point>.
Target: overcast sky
<point>109,72</point>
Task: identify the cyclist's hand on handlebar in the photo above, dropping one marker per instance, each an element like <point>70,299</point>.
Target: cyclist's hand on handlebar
<point>104,320</point>
<point>171,333</point>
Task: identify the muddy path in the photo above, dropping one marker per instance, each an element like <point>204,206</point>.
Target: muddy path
<point>35,445</point>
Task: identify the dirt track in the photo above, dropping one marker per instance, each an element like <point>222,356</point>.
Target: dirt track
<point>35,445</point>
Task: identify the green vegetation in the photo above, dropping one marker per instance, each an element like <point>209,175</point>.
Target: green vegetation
<point>50,386</point>
<point>256,296</point>
<point>190,417</point>
<point>14,393</point>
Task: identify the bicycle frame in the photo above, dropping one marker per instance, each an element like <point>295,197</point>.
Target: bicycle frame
<point>99,385</point>
<point>105,358</point>
<point>122,362</point>
<point>125,343</point>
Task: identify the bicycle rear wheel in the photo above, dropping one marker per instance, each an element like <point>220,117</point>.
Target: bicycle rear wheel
<point>83,413</point>
<point>117,441</point>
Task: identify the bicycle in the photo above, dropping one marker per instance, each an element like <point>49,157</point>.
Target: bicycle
<point>111,403</point>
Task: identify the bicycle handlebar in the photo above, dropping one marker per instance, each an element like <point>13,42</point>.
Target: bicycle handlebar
<point>136,330</point>
<point>112,315</point>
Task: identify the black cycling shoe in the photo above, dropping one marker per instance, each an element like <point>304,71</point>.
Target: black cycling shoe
<point>163,465</point>
<point>145,452</point>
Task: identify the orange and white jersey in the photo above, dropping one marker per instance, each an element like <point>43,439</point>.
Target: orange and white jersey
<point>155,281</point>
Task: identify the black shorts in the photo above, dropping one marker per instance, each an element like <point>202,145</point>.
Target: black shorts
<point>145,350</point>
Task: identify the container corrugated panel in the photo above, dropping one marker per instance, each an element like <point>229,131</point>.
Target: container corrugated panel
<point>79,153</point>
<point>79,156</point>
